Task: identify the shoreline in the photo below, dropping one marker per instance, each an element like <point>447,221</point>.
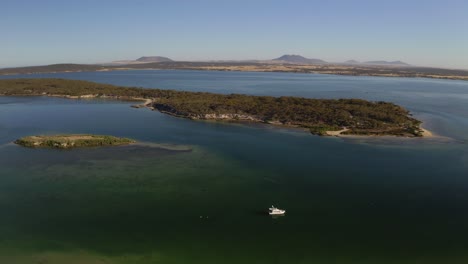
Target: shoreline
<point>336,133</point>
<point>308,112</point>
<point>148,103</point>
<point>299,69</point>
<point>426,134</point>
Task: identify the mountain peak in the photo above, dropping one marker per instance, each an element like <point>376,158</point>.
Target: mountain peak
<point>298,59</point>
<point>291,57</point>
<point>390,63</point>
<point>153,59</point>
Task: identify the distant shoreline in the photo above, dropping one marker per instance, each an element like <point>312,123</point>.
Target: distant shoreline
<point>331,69</point>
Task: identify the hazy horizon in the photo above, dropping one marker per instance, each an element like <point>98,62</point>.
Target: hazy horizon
<point>50,32</point>
<point>220,60</point>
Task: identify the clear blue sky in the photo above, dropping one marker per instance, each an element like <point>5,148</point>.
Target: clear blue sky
<point>421,32</point>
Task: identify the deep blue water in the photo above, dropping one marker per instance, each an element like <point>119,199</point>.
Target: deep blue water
<point>347,200</point>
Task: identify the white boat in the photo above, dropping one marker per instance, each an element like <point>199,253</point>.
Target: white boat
<point>275,211</point>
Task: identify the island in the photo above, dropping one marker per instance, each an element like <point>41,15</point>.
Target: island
<point>320,116</point>
<point>70,141</point>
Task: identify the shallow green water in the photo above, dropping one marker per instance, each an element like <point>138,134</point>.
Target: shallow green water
<point>347,201</point>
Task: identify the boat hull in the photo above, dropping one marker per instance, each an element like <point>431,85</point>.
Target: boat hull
<point>277,213</point>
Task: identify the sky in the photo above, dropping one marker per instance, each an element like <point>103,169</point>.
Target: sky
<point>419,32</point>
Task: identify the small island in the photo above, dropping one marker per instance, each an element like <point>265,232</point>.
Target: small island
<point>325,117</point>
<point>72,141</point>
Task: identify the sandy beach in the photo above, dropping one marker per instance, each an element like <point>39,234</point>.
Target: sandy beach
<point>426,133</point>
<point>338,133</point>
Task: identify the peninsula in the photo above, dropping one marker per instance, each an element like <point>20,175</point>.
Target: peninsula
<point>320,116</point>
<point>72,141</point>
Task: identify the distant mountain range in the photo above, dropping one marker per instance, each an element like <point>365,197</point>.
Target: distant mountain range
<point>287,63</point>
<point>153,59</point>
<point>297,59</point>
<point>352,62</point>
<point>141,60</point>
<point>291,59</point>
<point>397,63</point>
<point>378,63</point>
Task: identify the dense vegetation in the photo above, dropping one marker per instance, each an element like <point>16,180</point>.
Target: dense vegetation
<point>65,67</point>
<point>72,141</point>
<point>318,115</point>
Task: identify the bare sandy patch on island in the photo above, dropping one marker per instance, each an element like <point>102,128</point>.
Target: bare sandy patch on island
<point>427,133</point>
<point>336,133</point>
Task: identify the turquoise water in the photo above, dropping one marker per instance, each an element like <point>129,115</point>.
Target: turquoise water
<point>347,200</point>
